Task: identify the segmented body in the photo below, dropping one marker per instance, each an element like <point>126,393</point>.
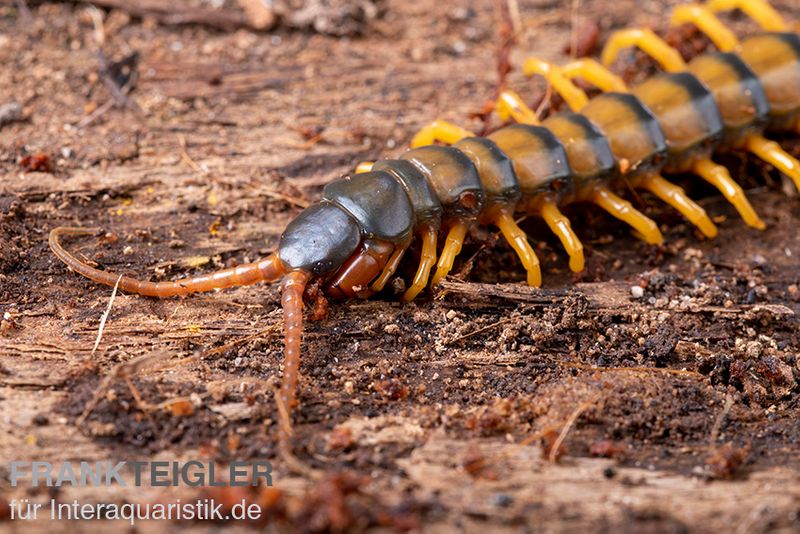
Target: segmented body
<point>353,239</point>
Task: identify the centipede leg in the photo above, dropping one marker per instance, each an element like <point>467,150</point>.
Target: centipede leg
<point>772,153</point>
<point>452,247</point>
<point>708,23</point>
<point>439,130</point>
<point>519,242</point>
<point>426,262</point>
<point>648,42</point>
<point>509,105</point>
<point>572,94</point>
<point>624,211</point>
<point>677,198</point>
<point>560,226</point>
<point>364,166</point>
<point>718,176</point>
<point>758,10</point>
<point>389,269</point>
<point>594,73</point>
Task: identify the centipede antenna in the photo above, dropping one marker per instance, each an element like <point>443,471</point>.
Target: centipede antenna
<point>571,93</point>
<point>452,247</point>
<point>519,242</point>
<point>594,73</point>
<point>267,270</point>
<point>509,105</point>
<point>758,10</point>
<point>561,227</point>
<point>624,211</point>
<point>439,130</point>
<point>718,176</point>
<point>708,23</point>
<point>647,41</point>
<point>676,197</point>
<point>772,153</point>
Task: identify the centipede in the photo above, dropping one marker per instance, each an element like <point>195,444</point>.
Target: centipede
<point>350,243</point>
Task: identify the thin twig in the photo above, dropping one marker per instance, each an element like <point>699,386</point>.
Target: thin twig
<point>122,370</point>
<point>299,202</point>
<point>104,317</point>
<point>187,158</point>
<point>25,15</point>
<point>679,372</point>
<point>516,19</point>
<point>569,424</point>
<point>720,418</point>
<point>573,33</point>
<point>480,330</point>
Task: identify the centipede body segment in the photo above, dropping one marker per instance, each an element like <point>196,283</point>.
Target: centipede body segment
<point>355,237</point>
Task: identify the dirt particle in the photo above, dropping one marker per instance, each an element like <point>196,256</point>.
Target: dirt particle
<point>340,438</point>
<point>726,460</point>
<point>392,389</point>
<point>41,420</point>
<point>392,329</point>
<point>606,448</point>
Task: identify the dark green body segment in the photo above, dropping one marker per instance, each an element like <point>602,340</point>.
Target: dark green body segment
<point>377,201</point>
<point>588,151</point>
<point>452,176</point>
<point>636,139</point>
<point>688,116</point>
<point>427,208</point>
<point>539,159</point>
<point>495,170</point>
<point>738,93</point>
<point>775,58</point>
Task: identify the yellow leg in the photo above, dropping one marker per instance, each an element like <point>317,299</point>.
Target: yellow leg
<point>594,73</point>
<point>647,41</point>
<point>708,23</point>
<point>364,166</point>
<point>439,130</point>
<point>519,242</point>
<point>452,247</point>
<point>624,211</point>
<point>563,230</point>
<point>509,105</point>
<point>676,197</point>
<point>389,269</point>
<point>758,10</point>
<point>718,176</point>
<point>572,95</point>
<point>772,153</point>
<point>426,261</point>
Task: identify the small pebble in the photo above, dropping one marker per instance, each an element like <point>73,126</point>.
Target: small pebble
<point>637,292</point>
<point>391,329</point>
<point>41,420</point>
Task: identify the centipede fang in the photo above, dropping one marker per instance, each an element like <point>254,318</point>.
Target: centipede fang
<point>353,240</point>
